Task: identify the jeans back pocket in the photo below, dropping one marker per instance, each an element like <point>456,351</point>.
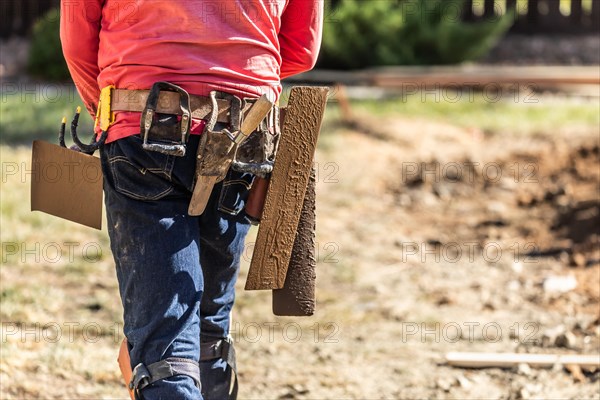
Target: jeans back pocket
<point>234,192</point>
<point>137,173</point>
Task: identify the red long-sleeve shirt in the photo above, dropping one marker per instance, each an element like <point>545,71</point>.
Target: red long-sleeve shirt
<point>244,47</point>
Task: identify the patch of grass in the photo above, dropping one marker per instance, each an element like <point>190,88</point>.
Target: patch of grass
<point>33,111</point>
<point>513,113</point>
<point>46,261</point>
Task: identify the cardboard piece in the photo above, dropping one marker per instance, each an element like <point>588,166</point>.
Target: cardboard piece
<point>67,184</point>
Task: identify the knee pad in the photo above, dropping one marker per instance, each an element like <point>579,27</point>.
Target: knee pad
<point>144,375</point>
<point>125,365</point>
<point>222,349</point>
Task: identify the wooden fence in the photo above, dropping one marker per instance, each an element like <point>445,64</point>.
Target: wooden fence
<point>540,16</point>
<point>532,16</point>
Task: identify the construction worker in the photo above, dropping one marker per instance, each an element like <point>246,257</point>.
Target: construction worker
<point>177,272</point>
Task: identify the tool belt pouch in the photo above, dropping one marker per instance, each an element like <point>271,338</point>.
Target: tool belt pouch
<point>256,155</point>
<point>253,157</point>
<point>166,133</point>
<point>217,140</point>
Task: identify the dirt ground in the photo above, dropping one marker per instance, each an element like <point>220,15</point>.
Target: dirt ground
<point>435,239</point>
<point>431,239</point>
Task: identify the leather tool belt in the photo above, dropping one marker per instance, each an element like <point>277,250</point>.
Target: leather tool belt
<point>167,110</point>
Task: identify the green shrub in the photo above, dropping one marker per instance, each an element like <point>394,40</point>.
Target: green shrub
<point>360,34</point>
<point>46,59</point>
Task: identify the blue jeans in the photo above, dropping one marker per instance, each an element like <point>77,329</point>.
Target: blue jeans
<point>176,272</point>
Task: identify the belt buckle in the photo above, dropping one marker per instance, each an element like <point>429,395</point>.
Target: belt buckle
<point>149,122</point>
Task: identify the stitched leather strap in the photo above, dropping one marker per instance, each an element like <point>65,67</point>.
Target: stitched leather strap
<point>222,348</point>
<point>143,375</point>
<point>168,103</point>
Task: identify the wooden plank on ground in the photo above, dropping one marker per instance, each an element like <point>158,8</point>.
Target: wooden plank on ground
<point>508,360</point>
<point>467,75</point>
<point>484,75</point>
<point>287,187</point>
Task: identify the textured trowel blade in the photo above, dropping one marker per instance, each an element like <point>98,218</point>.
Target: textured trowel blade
<point>297,297</point>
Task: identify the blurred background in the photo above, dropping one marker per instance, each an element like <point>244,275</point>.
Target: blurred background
<point>458,210</point>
